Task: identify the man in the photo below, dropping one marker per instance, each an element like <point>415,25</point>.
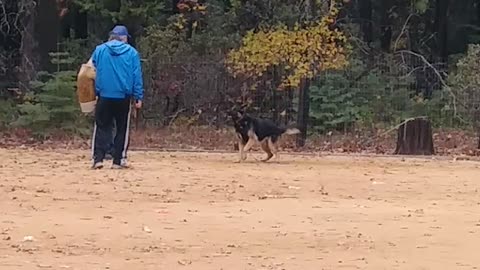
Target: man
<point>110,148</point>
<point>118,80</point>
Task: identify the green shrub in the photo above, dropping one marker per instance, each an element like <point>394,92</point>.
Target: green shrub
<point>463,92</point>
<point>8,113</point>
<point>52,105</point>
<point>335,105</point>
<point>364,97</point>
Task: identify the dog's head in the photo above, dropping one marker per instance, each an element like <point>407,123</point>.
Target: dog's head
<point>241,121</point>
<point>236,115</point>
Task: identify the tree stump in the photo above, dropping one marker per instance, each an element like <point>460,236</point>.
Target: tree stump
<point>415,137</point>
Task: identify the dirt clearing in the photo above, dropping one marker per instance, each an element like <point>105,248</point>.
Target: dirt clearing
<point>202,211</point>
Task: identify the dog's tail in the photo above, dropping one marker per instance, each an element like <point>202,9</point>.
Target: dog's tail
<point>291,131</point>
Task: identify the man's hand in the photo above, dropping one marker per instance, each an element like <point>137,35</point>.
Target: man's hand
<point>138,104</point>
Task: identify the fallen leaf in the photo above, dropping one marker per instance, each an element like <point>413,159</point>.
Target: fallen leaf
<point>146,229</point>
<point>28,238</point>
<point>184,262</point>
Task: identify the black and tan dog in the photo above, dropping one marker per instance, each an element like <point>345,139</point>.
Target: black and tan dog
<point>253,130</point>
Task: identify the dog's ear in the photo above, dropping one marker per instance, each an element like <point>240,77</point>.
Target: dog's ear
<point>232,115</point>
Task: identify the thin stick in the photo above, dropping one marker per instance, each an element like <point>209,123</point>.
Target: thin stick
<point>442,81</point>
<point>175,116</point>
<point>393,128</point>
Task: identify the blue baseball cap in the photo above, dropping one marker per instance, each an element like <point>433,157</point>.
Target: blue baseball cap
<point>120,30</point>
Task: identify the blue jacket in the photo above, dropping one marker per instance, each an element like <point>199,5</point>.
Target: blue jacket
<point>118,71</point>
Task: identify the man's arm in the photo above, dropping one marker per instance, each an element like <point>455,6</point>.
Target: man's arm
<point>94,58</point>
<point>137,78</point>
<point>93,61</point>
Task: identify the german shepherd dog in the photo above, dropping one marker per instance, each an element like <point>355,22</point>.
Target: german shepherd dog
<point>253,130</point>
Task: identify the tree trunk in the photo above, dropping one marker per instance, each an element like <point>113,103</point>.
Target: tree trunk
<point>47,27</point>
<point>80,24</point>
<point>289,109</point>
<point>386,25</point>
<point>476,122</point>
<point>478,12</point>
<point>365,10</point>
<point>441,27</point>
<point>274,95</point>
<point>113,5</point>
<point>10,45</point>
<point>415,138</point>
<point>28,62</point>
<point>303,112</point>
<point>174,7</point>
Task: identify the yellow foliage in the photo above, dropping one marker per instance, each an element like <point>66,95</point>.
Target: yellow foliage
<point>190,11</point>
<point>301,53</point>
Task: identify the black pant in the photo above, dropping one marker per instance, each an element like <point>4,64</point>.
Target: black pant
<point>108,110</point>
<point>111,147</point>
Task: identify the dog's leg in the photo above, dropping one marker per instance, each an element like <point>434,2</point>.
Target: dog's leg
<point>243,155</point>
<point>273,147</point>
<point>240,151</point>
<point>247,147</point>
<point>264,145</point>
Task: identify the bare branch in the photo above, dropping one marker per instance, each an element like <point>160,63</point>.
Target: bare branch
<point>440,78</point>
<point>404,28</point>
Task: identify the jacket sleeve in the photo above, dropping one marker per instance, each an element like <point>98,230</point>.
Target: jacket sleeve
<point>94,57</point>
<point>137,77</point>
<point>94,60</point>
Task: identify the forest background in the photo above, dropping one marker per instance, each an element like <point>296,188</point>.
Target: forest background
<point>346,72</point>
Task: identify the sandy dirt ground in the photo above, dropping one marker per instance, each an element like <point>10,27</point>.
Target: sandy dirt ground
<point>203,211</point>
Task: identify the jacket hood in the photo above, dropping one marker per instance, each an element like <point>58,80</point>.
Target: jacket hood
<point>116,47</point>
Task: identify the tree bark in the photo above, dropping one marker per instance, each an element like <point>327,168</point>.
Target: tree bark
<point>10,44</point>
<point>478,11</point>
<point>303,112</point>
<point>386,25</point>
<point>47,19</point>
<point>441,27</point>
<point>476,123</point>
<point>274,79</point>
<point>28,61</point>
<point>289,109</point>
<point>365,10</point>
<point>80,24</point>
<point>415,138</point>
